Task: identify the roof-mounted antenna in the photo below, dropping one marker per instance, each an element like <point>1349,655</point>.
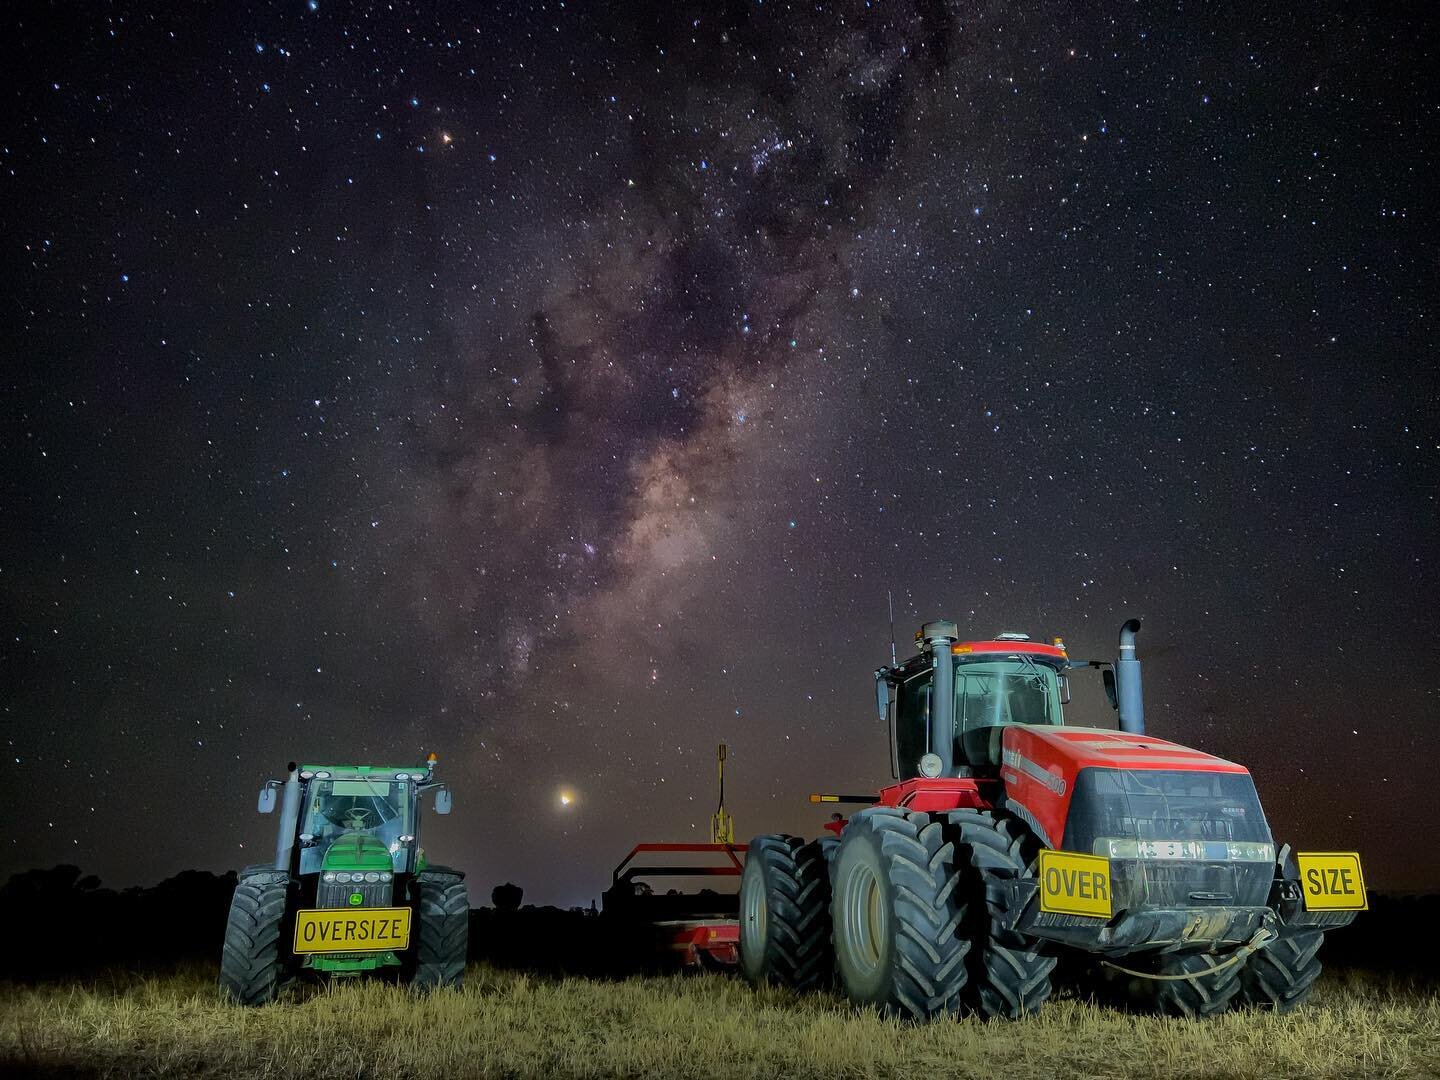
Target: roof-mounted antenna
<point>890,599</point>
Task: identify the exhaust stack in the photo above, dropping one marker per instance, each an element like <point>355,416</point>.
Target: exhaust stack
<point>289,819</point>
<point>1127,682</point>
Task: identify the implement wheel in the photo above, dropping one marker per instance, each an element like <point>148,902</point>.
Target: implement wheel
<point>896,911</point>
<point>1281,975</point>
<point>442,912</point>
<point>251,966</point>
<point>1009,972</point>
<point>785,913</point>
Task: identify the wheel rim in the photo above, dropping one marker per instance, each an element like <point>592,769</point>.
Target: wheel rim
<point>866,916</point>
<point>753,911</point>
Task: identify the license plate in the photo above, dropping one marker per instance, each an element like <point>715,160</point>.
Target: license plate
<point>1074,884</point>
<point>352,930</point>
<point>1170,849</point>
<point>1331,881</point>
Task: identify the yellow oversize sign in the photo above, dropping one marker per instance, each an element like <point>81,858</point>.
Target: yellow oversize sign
<point>1331,881</point>
<point>351,930</point>
<point>1073,884</point>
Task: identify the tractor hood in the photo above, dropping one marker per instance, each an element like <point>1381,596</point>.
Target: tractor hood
<point>1040,767</point>
<point>357,851</point>
<point>1071,748</point>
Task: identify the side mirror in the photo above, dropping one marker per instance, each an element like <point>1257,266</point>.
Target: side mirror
<point>442,800</point>
<point>266,804</point>
<point>1107,676</point>
<point>882,696</point>
<point>1064,689</point>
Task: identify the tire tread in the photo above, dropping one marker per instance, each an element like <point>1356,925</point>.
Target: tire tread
<point>442,912</point>
<point>251,966</point>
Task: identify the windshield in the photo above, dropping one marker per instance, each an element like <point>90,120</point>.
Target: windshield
<point>374,808</point>
<point>989,697</point>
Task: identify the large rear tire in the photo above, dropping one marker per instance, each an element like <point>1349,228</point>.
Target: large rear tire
<point>1009,972</point>
<point>1281,975</point>
<point>443,932</point>
<point>896,910</point>
<point>785,913</point>
<point>252,969</point>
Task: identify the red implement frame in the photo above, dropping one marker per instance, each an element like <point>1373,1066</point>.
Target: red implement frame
<point>691,925</point>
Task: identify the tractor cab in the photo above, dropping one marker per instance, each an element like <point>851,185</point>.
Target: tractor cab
<point>359,820</point>
<point>948,706</point>
<point>352,817</point>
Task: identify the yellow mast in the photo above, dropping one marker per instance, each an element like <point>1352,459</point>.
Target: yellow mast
<point>722,825</point>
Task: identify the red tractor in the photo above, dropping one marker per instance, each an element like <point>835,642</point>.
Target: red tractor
<point>1010,841</point>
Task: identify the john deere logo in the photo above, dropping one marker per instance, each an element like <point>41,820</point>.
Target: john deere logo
<point>356,899</point>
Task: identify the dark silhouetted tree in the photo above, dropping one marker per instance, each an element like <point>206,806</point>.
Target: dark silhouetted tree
<point>507,897</point>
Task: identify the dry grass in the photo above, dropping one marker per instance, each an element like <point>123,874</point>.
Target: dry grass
<point>507,1024</point>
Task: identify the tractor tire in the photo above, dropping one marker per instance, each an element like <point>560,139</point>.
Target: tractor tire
<point>896,909</point>
<point>252,969</point>
<point>785,914</point>
<point>442,938</point>
<point>1205,992</point>
<point>1281,975</point>
<point>1009,972</point>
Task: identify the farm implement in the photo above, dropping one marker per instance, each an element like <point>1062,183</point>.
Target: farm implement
<point>697,929</point>
<point>350,891</point>
<point>1010,840</point>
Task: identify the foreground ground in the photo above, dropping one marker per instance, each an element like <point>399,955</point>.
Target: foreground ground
<point>508,1024</point>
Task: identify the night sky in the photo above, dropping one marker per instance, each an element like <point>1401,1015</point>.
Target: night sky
<point>562,387</point>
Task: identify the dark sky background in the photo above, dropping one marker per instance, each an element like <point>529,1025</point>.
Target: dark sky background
<point>561,388</point>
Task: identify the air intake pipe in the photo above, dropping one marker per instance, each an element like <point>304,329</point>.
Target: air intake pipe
<point>1127,682</point>
<point>937,637</point>
<point>289,819</point>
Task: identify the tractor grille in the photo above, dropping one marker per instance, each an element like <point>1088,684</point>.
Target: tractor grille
<point>337,895</point>
<point>1164,883</point>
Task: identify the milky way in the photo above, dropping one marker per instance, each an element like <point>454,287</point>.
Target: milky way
<point>564,390</point>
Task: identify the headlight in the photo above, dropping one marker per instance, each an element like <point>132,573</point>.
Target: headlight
<point>306,775</point>
<point>1251,852</point>
<point>386,876</point>
<point>372,877</point>
<point>322,775</point>
<point>402,776</point>
<point>343,878</point>
<point>329,876</point>
<point>1206,850</point>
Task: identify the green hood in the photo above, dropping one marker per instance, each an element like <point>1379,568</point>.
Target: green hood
<point>357,851</point>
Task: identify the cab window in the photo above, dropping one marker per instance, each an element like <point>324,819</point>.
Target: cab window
<point>912,723</point>
<point>990,697</point>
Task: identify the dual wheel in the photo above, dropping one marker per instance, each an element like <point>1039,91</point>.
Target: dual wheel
<point>1278,977</point>
<point>906,913</point>
<point>1200,985</point>
<point>256,963</point>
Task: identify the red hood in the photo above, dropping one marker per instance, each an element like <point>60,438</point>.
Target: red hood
<point>1040,765</point>
<point>1078,748</point>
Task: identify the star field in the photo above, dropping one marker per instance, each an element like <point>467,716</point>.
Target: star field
<point>561,388</point>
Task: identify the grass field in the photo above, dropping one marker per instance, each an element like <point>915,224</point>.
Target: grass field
<point>509,1024</point>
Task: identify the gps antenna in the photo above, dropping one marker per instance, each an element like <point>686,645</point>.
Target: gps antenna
<point>890,600</point>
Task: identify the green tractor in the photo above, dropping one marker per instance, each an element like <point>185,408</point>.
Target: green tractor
<point>350,891</point>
